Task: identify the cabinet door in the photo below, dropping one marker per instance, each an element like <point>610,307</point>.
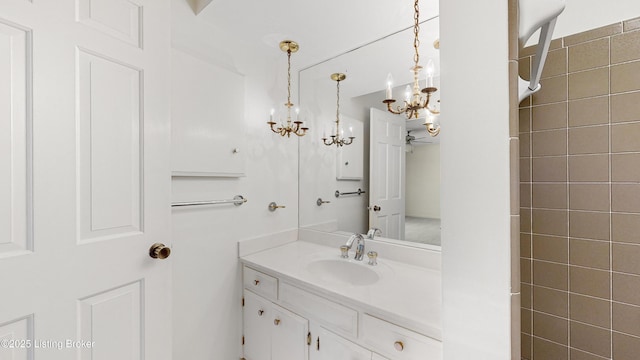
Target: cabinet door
<point>378,357</point>
<point>207,118</point>
<point>350,158</point>
<point>257,321</point>
<point>288,335</point>
<point>329,346</point>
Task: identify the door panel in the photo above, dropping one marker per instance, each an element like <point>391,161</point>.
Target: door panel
<point>15,336</point>
<point>90,121</point>
<point>121,19</point>
<point>115,337</point>
<point>15,140</point>
<point>387,182</point>
<point>110,147</point>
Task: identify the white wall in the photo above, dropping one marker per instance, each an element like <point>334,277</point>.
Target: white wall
<point>476,263</point>
<point>423,181</point>
<point>207,313</point>
<point>583,15</point>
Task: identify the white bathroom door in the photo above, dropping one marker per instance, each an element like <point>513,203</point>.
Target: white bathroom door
<point>84,179</point>
<point>387,173</point>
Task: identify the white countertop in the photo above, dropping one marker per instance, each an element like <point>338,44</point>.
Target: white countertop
<point>407,295</point>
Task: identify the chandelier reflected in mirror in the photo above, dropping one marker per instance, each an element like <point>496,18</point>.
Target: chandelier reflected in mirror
<point>416,99</point>
<point>289,126</point>
<point>338,139</point>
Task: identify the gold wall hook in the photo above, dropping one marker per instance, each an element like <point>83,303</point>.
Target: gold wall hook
<point>273,206</point>
<point>319,202</point>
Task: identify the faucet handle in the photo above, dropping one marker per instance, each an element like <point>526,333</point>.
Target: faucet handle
<point>373,256</point>
<point>344,251</point>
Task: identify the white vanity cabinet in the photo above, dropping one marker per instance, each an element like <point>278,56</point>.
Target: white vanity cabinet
<point>378,357</point>
<point>290,321</point>
<point>272,332</point>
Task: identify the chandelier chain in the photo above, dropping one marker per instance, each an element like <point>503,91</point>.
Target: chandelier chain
<point>289,78</point>
<point>338,102</point>
<point>416,30</point>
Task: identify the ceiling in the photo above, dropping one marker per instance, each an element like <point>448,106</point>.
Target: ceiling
<point>323,28</point>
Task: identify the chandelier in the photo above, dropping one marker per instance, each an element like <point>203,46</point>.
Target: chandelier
<point>291,127</point>
<point>414,100</point>
<point>337,139</point>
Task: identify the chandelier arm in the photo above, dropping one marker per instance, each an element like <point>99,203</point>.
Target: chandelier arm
<point>432,130</point>
<point>397,112</point>
<point>433,111</point>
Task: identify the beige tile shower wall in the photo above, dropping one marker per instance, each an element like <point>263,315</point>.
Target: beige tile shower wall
<point>580,199</point>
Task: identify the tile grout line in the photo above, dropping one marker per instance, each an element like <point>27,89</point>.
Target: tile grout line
<point>610,212</point>
<point>568,198</point>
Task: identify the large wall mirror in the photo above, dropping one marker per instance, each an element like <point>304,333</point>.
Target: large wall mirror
<point>392,187</point>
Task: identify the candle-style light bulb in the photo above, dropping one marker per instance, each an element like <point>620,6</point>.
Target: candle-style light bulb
<point>297,114</point>
<point>273,111</point>
<point>407,93</point>
<point>351,131</point>
<point>389,86</point>
<point>428,119</point>
<point>430,70</point>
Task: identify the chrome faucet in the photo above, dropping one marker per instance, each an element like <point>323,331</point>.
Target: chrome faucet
<point>359,240</point>
<point>373,232</point>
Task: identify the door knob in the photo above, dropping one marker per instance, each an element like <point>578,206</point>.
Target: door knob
<point>159,251</point>
<point>375,208</point>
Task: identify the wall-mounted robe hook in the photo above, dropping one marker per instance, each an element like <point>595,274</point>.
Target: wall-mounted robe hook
<point>273,206</point>
<point>319,202</point>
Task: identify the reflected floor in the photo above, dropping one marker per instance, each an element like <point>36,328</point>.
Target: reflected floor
<point>422,230</point>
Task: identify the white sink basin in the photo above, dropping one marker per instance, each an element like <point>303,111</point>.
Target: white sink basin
<point>343,271</point>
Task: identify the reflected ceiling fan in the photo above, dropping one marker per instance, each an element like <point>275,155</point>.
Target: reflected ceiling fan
<point>411,139</point>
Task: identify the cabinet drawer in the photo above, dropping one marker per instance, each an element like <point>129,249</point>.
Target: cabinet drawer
<point>398,343</point>
<point>333,316</point>
<point>260,283</point>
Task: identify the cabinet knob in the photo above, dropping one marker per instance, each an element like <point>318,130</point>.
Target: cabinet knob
<point>398,345</point>
<point>276,322</point>
<point>260,312</point>
<point>256,282</point>
<point>236,150</point>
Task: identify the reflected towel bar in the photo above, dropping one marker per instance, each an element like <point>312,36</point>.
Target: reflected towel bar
<point>359,192</point>
<point>237,201</point>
